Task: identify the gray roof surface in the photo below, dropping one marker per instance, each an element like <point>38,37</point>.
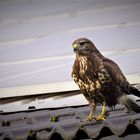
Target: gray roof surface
<point>64,121</point>
<point>68,123</point>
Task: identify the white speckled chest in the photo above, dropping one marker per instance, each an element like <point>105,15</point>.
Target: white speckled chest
<point>85,81</point>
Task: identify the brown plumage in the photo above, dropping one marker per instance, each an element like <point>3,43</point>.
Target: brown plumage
<point>100,79</point>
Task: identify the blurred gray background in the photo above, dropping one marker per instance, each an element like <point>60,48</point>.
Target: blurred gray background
<point>36,37</point>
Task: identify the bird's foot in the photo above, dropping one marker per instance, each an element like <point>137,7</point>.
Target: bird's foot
<point>103,114</point>
<point>100,118</point>
<point>90,117</point>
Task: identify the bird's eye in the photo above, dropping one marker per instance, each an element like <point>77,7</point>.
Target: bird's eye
<point>82,43</point>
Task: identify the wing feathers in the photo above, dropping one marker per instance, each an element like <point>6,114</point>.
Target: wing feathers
<point>116,74</point>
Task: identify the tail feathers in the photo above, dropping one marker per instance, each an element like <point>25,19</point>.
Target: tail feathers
<point>130,104</point>
<point>134,91</point>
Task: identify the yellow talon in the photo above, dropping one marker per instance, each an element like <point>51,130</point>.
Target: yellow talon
<point>102,116</point>
<point>90,117</point>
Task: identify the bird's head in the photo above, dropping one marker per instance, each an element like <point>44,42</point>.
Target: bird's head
<point>84,46</point>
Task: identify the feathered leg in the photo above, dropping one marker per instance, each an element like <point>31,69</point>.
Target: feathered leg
<point>102,115</point>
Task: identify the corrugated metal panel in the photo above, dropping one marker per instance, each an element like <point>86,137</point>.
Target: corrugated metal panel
<point>68,123</point>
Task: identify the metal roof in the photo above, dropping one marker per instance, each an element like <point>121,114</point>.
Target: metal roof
<point>68,123</point>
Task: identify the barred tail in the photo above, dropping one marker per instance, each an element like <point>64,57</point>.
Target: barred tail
<point>130,104</point>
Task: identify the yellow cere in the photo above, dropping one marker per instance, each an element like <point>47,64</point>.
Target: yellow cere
<point>75,46</point>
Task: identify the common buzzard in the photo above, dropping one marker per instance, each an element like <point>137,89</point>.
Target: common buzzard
<point>100,80</point>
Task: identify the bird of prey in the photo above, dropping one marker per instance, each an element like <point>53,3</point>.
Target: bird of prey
<point>100,80</point>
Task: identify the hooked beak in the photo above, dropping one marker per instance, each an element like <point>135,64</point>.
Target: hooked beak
<point>75,47</point>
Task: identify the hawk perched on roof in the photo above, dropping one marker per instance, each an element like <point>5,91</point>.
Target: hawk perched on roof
<point>100,79</point>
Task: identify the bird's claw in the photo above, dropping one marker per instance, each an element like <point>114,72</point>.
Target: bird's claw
<point>90,118</point>
<point>100,118</point>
